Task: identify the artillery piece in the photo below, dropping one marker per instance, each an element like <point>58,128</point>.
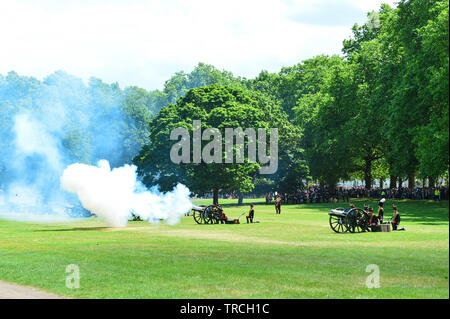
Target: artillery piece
<point>212,214</point>
<point>354,220</point>
<point>207,214</point>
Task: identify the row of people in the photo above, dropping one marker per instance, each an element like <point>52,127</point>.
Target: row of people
<point>375,219</point>
<point>325,195</point>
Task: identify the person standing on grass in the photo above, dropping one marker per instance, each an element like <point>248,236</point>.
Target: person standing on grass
<point>278,204</point>
<point>381,210</point>
<point>251,214</point>
<point>436,194</point>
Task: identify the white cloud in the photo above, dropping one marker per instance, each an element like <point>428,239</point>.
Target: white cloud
<point>144,42</point>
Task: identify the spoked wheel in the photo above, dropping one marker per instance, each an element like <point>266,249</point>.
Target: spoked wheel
<point>364,221</point>
<point>337,224</point>
<point>198,217</point>
<point>357,221</point>
<point>212,214</point>
<point>206,216</point>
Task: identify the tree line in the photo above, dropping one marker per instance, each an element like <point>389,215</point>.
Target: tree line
<point>378,111</point>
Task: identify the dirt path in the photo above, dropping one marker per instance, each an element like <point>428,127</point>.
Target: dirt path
<point>13,291</point>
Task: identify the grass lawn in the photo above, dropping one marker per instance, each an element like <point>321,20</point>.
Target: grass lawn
<point>292,255</point>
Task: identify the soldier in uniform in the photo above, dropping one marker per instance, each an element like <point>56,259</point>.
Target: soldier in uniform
<point>396,219</point>
<point>251,213</point>
<point>373,221</point>
<point>381,210</point>
<point>278,204</point>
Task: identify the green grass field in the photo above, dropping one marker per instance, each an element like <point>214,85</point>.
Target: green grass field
<point>292,255</point>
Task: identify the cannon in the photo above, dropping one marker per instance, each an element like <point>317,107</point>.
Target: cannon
<point>354,220</point>
<point>212,214</point>
<point>207,214</point>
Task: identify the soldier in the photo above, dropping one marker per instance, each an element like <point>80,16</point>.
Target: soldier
<point>349,209</point>
<point>373,221</point>
<point>278,204</point>
<point>223,218</point>
<point>251,213</point>
<point>381,210</point>
<point>396,219</point>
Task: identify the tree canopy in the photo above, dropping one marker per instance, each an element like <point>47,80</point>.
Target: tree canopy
<point>378,111</point>
<point>218,107</point>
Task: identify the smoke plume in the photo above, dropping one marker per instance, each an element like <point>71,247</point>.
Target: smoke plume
<point>47,126</point>
<point>113,195</point>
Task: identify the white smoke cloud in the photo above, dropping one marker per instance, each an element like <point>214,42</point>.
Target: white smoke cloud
<point>34,164</point>
<point>62,121</point>
<point>113,195</point>
<point>32,137</point>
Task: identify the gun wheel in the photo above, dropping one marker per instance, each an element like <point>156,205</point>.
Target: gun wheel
<point>197,217</point>
<point>212,214</point>
<point>337,224</point>
<point>357,221</point>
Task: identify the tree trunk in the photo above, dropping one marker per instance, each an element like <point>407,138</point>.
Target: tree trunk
<point>332,187</point>
<point>322,184</point>
<point>215,196</point>
<point>431,182</point>
<point>381,183</point>
<point>368,173</point>
<point>392,181</point>
<point>411,181</point>
<point>400,182</point>
<point>240,199</point>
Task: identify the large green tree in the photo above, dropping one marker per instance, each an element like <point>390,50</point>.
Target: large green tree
<point>218,107</point>
<point>414,43</point>
<point>202,75</point>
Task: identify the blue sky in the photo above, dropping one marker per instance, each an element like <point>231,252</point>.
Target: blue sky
<point>143,43</point>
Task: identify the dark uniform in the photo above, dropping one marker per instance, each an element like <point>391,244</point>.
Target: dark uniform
<point>278,205</point>
<point>395,219</point>
<point>373,221</point>
<point>380,212</point>
<point>251,213</point>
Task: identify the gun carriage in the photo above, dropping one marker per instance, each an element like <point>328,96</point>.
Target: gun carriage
<point>212,214</point>
<point>354,220</point>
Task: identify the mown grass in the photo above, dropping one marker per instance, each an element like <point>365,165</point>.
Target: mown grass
<point>292,255</point>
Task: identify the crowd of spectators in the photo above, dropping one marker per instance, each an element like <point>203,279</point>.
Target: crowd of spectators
<point>344,194</point>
